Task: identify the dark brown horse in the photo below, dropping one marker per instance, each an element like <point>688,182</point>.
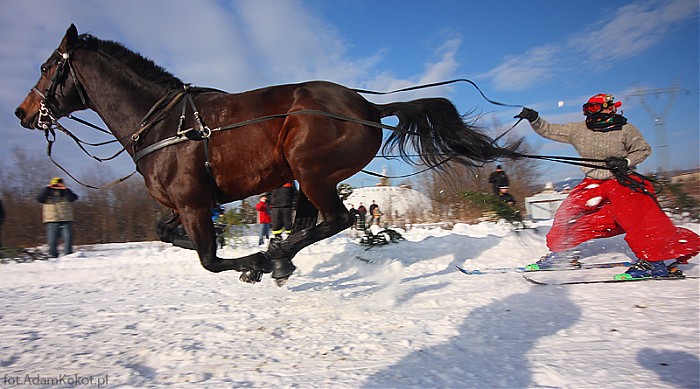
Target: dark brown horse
<point>198,147</point>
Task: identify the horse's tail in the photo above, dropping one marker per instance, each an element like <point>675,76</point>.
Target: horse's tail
<point>436,131</point>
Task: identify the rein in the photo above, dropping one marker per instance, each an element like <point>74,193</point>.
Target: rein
<point>431,85</point>
<point>624,179</point>
<point>182,135</point>
<point>435,84</point>
<point>185,135</point>
<point>50,133</point>
<point>162,108</point>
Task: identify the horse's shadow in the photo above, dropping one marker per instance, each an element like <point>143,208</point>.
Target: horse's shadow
<point>491,349</point>
<point>677,368</point>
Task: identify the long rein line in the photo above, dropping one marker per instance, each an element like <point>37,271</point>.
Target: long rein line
<point>623,178</point>
<point>50,133</point>
<point>584,162</point>
<point>174,140</point>
<point>431,85</point>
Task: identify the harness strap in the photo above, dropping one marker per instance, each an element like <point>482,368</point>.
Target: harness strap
<point>202,133</point>
<point>207,167</point>
<point>173,140</point>
<point>172,98</point>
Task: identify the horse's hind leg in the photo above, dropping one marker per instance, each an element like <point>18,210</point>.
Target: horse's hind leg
<point>200,229</point>
<point>335,219</point>
<point>305,217</point>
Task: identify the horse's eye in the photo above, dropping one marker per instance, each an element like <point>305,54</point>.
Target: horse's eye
<point>44,69</point>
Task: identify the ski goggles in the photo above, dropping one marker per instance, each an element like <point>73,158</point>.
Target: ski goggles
<point>591,108</point>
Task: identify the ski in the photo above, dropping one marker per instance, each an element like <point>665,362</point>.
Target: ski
<point>523,269</point>
<point>607,281</point>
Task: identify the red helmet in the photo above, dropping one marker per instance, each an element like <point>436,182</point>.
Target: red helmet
<point>599,102</point>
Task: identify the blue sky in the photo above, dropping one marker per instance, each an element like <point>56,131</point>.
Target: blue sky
<point>534,53</point>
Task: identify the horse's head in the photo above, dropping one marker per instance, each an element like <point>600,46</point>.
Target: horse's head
<point>58,92</point>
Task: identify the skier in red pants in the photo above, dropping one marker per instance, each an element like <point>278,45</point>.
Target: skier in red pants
<point>612,200</point>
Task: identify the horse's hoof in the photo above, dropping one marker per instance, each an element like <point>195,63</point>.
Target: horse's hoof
<point>282,268</point>
<point>281,281</point>
<point>251,276</point>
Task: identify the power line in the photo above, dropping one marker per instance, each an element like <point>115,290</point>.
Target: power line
<point>659,119</point>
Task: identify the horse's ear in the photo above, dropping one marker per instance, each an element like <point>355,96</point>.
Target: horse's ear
<point>71,37</point>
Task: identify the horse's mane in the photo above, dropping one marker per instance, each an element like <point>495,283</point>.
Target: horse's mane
<point>135,61</point>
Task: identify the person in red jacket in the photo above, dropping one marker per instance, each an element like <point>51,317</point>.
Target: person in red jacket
<point>612,199</point>
<point>264,219</point>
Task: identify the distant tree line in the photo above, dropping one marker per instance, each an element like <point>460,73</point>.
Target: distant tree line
<point>119,213</point>
<point>123,212</point>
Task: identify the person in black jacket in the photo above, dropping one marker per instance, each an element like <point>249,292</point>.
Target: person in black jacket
<point>355,216</point>
<point>282,203</point>
<point>498,179</point>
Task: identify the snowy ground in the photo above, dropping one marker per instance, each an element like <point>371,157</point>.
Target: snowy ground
<point>147,315</point>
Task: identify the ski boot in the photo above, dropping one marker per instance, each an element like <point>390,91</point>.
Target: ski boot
<point>646,269</point>
<point>554,261</point>
<point>674,271</point>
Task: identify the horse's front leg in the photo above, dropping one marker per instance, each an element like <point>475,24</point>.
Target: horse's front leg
<point>200,229</point>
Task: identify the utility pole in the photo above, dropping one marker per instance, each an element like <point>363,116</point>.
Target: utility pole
<point>659,119</point>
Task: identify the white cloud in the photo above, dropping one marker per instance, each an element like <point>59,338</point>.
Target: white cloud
<point>444,68</point>
<point>634,28</point>
<point>629,31</point>
<point>523,71</point>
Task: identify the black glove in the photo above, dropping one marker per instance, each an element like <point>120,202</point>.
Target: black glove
<point>530,114</point>
<point>617,164</point>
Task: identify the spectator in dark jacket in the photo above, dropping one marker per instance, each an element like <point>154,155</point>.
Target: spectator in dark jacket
<point>498,179</point>
<point>282,203</point>
<point>362,213</point>
<point>57,214</point>
<point>372,207</point>
<point>355,216</point>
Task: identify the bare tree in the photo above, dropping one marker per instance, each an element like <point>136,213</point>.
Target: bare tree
<point>124,212</point>
<point>446,188</point>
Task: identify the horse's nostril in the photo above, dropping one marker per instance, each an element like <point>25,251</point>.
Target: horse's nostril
<point>19,113</point>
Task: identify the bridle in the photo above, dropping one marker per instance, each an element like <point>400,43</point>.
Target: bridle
<point>47,110</point>
<point>48,119</point>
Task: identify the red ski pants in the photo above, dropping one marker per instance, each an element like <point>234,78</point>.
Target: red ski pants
<point>605,208</point>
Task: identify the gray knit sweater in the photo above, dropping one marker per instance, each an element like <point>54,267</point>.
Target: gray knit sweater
<point>627,142</point>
